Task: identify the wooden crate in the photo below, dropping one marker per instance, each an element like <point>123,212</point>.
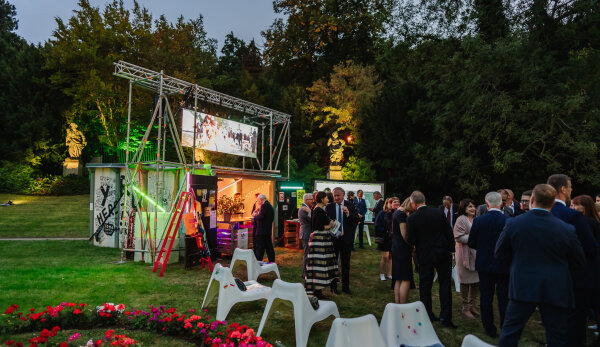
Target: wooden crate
<point>291,234</point>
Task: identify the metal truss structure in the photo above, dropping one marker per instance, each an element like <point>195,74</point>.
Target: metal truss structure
<point>165,86</point>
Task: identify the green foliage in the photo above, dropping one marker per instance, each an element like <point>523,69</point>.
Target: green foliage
<point>16,177</point>
<point>358,169</point>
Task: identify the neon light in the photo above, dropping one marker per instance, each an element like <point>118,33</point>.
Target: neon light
<point>148,198</point>
<point>229,185</point>
<point>291,188</point>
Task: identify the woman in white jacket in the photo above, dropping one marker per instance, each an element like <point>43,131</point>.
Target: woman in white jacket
<point>465,258</point>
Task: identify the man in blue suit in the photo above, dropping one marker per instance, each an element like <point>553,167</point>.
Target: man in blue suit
<point>493,273</point>
<point>542,249</point>
<point>584,280</point>
<point>361,208</point>
<point>344,212</point>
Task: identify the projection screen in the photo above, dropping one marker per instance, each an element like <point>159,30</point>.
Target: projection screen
<point>218,134</point>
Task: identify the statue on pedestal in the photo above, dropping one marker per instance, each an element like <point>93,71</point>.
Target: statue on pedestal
<point>75,141</point>
<point>336,155</point>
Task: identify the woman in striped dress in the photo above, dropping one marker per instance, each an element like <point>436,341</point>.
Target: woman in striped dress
<point>321,263</point>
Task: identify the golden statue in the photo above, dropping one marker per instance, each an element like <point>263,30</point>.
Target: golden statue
<point>336,149</point>
<point>75,141</point>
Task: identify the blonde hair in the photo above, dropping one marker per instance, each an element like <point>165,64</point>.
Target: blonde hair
<point>406,205</point>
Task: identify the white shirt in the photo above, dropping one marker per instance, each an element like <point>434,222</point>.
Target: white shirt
<point>562,202</point>
<point>495,209</point>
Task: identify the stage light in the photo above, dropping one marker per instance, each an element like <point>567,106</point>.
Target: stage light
<point>349,138</point>
<point>148,198</point>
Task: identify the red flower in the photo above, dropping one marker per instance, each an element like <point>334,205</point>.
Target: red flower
<point>32,310</point>
<point>120,307</point>
<point>64,344</point>
<point>76,311</point>
<point>9,342</point>
<point>98,342</point>
<point>82,305</point>
<point>11,309</point>
<point>171,310</point>
<point>71,304</point>
<point>56,328</point>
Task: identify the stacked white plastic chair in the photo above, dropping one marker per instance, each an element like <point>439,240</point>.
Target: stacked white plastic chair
<point>407,324</point>
<point>304,314</point>
<point>252,265</point>
<point>474,341</point>
<point>355,332</point>
<point>223,283</point>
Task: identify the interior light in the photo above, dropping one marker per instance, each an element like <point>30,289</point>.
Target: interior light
<point>229,185</point>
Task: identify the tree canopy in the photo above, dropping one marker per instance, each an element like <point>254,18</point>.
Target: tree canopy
<point>450,97</point>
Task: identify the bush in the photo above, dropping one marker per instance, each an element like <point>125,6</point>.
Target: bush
<point>20,178</point>
<point>15,177</point>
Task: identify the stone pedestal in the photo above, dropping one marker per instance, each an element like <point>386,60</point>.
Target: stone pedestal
<point>72,167</point>
<point>335,172</point>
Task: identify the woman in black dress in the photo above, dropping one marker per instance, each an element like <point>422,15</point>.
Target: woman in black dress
<point>321,263</point>
<point>401,258</point>
<point>383,231</point>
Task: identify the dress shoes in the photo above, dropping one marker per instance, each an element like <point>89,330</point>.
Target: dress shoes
<point>347,291</point>
<point>433,318</point>
<point>492,333</point>
<point>448,324</point>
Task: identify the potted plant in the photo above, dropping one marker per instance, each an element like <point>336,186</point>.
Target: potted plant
<point>226,206</point>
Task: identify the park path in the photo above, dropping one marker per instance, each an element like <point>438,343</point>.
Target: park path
<point>43,238</point>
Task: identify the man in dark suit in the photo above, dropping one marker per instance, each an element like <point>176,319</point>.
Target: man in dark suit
<point>304,217</point>
<point>344,212</point>
<point>361,209</point>
<point>378,204</point>
<point>263,221</point>
<point>493,273</point>
<point>449,209</point>
<point>585,279</point>
<point>542,249</point>
<point>428,229</point>
<point>513,205</point>
<point>482,209</point>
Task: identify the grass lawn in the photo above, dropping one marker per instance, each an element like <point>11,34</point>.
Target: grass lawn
<point>45,216</point>
<point>41,273</point>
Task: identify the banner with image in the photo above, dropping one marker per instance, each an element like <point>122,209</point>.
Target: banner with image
<point>218,134</point>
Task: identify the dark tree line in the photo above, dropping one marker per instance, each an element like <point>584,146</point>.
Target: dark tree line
<point>471,95</point>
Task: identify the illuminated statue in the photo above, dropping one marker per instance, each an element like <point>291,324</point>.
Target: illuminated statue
<point>336,149</point>
<point>75,141</point>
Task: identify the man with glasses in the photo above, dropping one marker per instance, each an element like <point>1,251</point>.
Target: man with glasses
<point>525,198</point>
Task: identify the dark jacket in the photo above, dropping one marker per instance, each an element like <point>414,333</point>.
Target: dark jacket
<point>586,277</point>
<point>263,222</point>
<point>378,207</point>
<point>349,222</point>
<point>483,237</point>
<point>542,249</point>
<point>453,214</point>
<point>361,207</point>
<point>429,230</point>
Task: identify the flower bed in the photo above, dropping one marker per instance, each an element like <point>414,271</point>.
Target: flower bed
<point>201,330</point>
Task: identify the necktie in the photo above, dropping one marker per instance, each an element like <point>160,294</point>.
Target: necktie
<point>448,216</point>
<point>340,216</point>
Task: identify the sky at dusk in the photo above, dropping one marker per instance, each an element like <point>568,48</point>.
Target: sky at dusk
<point>246,18</point>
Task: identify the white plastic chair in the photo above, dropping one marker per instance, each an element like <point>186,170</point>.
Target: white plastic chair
<point>407,324</point>
<point>222,281</point>
<point>454,277</point>
<point>254,268</point>
<point>474,341</point>
<point>355,332</point>
<point>304,314</point>
<point>366,230</point>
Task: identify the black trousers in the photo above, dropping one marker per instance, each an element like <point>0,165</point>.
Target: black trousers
<point>488,284</point>
<point>344,250</point>
<point>304,243</point>
<point>554,320</point>
<point>443,265</point>
<point>264,243</point>
<point>361,226</point>
<point>576,324</point>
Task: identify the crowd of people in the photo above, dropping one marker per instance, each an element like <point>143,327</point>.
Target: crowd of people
<point>538,252</point>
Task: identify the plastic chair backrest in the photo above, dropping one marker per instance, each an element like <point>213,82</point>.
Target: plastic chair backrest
<point>293,292</point>
<point>248,256</point>
<point>360,331</point>
<point>407,324</point>
<point>474,341</point>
